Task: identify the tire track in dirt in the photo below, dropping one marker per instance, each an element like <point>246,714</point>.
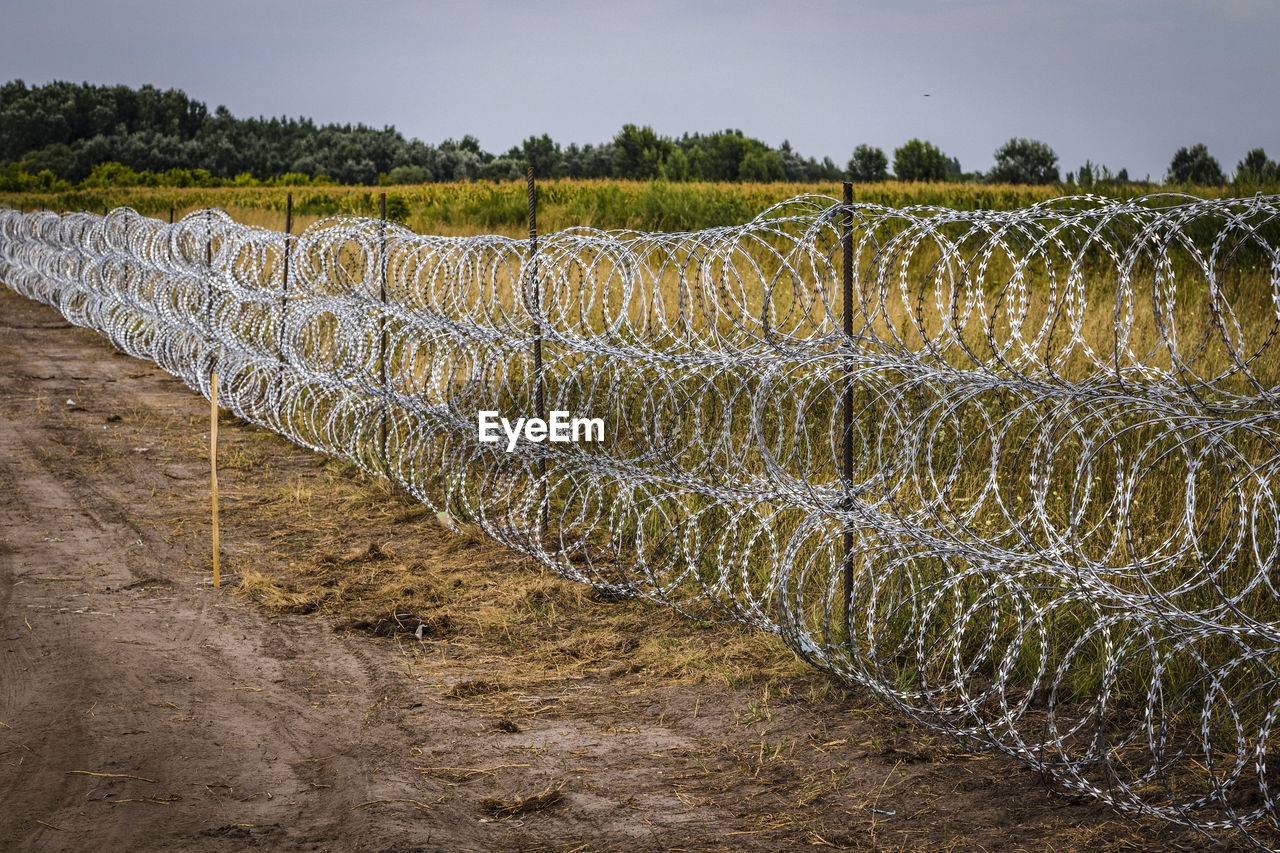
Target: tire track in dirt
<point>94,686</point>
<point>134,669</point>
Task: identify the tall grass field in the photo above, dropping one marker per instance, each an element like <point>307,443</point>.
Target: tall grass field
<point>466,209</point>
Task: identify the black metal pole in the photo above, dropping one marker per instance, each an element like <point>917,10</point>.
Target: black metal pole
<point>208,291</point>
<point>208,262</point>
<point>170,214</point>
<point>846,245</point>
<point>382,329</point>
<point>540,402</point>
<point>284,283</point>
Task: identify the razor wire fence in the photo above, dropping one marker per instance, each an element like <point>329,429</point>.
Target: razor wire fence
<point>1016,472</point>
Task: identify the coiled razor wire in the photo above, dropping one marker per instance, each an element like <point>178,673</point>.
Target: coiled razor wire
<point>1060,534</point>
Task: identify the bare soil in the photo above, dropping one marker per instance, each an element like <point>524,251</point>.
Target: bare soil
<point>296,708</point>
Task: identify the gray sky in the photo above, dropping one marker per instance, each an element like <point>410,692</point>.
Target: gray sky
<point>1123,83</point>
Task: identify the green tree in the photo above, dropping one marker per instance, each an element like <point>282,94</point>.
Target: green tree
<point>57,158</point>
<point>113,175</point>
<point>1255,169</point>
<point>718,156</point>
<point>71,129</point>
<point>677,167</point>
<point>919,161</point>
<point>761,166</point>
<point>868,165</point>
<point>1086,175</point>
<point>640,153</point>
<point>1194,165</point>
<point>402,175</point>
<point>544,156</point>
<point>1024,161</point>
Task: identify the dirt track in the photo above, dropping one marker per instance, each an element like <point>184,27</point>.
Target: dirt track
<point>141,709</point>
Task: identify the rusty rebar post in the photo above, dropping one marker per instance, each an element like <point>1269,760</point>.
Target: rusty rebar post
<point>846,401</point>
<point>382,332</point>
<point>208,273</point>
<point>540,402</point>
<point>284,280</point>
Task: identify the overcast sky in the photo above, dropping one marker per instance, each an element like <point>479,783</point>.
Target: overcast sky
<point>1124,83</point>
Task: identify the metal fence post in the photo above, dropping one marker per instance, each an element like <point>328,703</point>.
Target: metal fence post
<point>540,402</point>
<point>208,263</point>
<point>284,284</point>
<point>382,331</point>
<point>846,244</point>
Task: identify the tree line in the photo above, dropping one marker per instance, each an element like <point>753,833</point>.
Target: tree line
<point>67,131</point>
<point>62,134</point>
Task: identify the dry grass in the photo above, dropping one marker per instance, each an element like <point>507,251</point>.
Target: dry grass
<point>460,209</point>
<point>540,619</point>
<point>411,578</point>
<point>541,801</point>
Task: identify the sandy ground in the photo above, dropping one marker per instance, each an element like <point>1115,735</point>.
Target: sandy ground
<point>141,709</point>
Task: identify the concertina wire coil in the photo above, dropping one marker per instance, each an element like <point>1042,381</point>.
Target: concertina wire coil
<point>1060,536</point>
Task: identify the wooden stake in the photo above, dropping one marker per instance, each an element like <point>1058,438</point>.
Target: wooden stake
<point>213,470</point>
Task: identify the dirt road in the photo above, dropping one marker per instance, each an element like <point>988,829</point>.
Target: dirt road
<point>140,709</point>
